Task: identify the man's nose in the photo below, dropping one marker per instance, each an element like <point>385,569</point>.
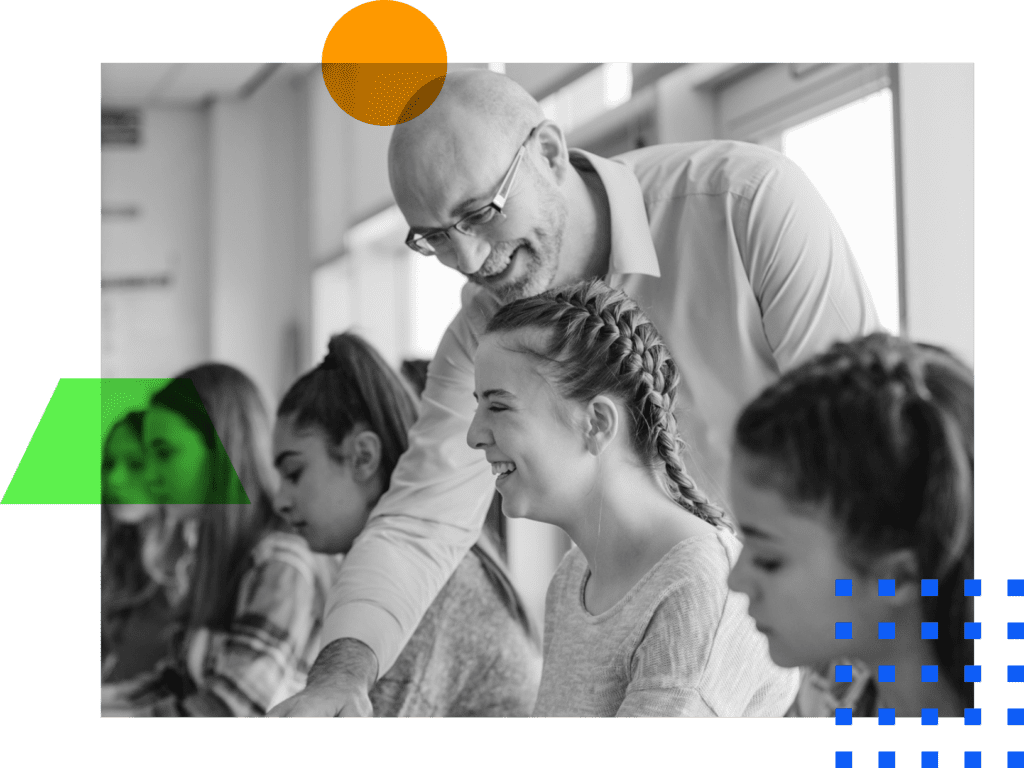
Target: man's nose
<point>470,251</point>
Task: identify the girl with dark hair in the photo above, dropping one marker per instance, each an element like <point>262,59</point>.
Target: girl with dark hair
<point>252,593</point>
<point>575,393</point>
<point>340,430</point>
<point>135,614</point>
<point>856,469</point>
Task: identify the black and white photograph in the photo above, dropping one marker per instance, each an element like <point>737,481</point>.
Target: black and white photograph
<point>573,395</point>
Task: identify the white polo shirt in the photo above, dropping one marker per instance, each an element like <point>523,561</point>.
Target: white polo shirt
<point>737,260</point>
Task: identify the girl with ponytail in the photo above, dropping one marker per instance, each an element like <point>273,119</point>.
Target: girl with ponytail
<point>339,433</point>
<point>575,411</point>
<point>853,482</point>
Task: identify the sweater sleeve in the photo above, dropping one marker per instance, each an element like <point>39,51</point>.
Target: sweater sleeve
<point>667,665</point>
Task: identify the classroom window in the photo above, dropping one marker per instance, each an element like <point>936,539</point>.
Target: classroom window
<point>600,90</point>
<point>848,154</point>
<point>436,298</point>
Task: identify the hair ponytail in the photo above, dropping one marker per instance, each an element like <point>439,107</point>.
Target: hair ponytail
<point>354,388</point>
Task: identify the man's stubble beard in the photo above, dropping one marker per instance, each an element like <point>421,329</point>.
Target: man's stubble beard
<point>542,266</point>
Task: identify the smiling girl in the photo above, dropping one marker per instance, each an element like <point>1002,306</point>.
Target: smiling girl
<point>340,430</point>
<point>575,393</point>
<point>859,466</point>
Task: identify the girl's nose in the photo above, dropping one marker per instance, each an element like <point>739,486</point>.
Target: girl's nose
<point>478,437</point>
<point>151,477</point>
<point>283,502</point>
<point>739,578</point>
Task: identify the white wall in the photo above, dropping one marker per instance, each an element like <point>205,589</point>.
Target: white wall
<point>155,331</point>
<point>348,169</point>
<point>259,245</point>
<point>936,112</point>
<point>685,113</point>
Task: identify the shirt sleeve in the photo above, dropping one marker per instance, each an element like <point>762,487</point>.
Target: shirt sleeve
<point>667,665</point>
<point>263,656</point>
<point>429,518</point>
<point>803,273</point>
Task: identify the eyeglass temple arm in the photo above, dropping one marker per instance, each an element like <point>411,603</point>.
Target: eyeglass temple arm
<point>499,199</point>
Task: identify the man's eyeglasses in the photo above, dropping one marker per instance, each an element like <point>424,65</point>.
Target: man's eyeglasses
<point>474,222</point>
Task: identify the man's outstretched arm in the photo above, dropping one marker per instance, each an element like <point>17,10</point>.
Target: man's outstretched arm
<point>338,685</point>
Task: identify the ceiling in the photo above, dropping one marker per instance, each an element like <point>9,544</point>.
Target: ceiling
<point>183,85</point>
<point>146,85</point>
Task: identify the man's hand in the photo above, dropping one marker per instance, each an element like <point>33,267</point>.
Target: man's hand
<point>338,685</point>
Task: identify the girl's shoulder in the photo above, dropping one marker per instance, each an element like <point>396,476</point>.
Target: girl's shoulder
<point>290,549</point>
<point>699,561</point>
<point>820,695</point>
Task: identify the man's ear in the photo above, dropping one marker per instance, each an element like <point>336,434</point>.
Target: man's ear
<point>553,149</point>
<point>600,424</point>
<point>366,450</point>
<point>901,566</point>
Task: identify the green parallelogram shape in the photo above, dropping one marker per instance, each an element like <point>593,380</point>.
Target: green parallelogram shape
<point>62,462</point>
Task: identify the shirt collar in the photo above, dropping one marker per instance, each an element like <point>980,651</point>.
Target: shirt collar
<point>632,249</point>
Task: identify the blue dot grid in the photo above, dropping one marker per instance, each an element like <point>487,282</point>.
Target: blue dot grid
<point>929,673</point>
<point>1015,672</point>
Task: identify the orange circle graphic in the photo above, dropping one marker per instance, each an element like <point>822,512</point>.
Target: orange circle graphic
<point>384,62</point>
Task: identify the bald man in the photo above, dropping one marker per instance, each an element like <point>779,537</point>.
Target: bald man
<point>727,246</point>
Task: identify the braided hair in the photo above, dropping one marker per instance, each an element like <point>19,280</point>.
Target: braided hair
<point>600,342</point>
<point>881,431</point>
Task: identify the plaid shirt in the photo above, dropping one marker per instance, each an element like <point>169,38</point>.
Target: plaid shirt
<point>820,695</point>
<point>260,660</point>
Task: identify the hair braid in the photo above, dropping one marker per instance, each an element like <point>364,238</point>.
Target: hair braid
<point>879,432</point>
<point>603,342</point>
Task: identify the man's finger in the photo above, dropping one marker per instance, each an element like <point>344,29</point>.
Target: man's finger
<point>283,709</point>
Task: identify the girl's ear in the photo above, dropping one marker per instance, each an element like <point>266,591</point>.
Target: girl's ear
<point>366,450</point>
<point>901,567</point>
<point>600,423</point>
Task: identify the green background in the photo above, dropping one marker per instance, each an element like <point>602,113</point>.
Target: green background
<point>49,312</point>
